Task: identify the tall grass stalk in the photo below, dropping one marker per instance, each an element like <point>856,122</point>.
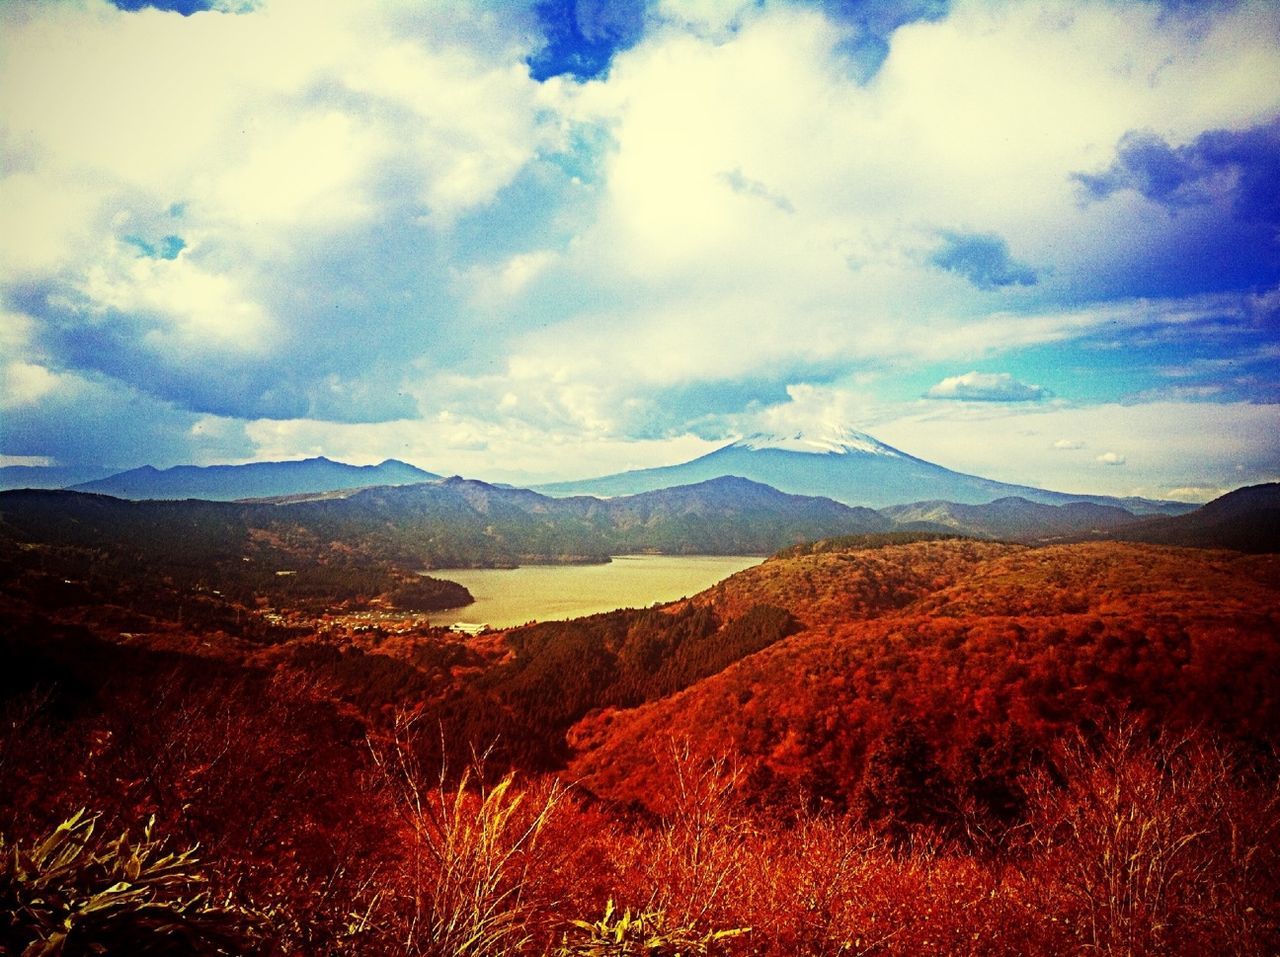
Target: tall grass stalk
<point>470,854</point>
<point>1146,841</point>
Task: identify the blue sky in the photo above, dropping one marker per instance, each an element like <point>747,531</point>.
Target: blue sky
<point>1039,241</point>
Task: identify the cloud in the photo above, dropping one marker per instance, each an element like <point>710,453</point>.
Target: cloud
<point>874,23</point>
<point>1111,458</point>
<point>96,421</point>
<point>1167,444</point>
<point>581,38</point>
<point>1202,215</point>
<point>744,186</point>
<point>983,259</point>
<point>385,218</point>
<point>187,7</point>
<point>1197,493</point>
<point>1067,445</point>
<point>1241,164</point>
<point>473,447</point>
<point>272,245</point>
<point>986,387</point>
<point>25,383</point>
<point>717,19</point>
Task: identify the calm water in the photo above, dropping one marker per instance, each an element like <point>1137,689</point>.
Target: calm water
<point>513,596</point>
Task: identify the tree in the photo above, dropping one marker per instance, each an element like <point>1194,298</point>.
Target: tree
<point>903,787</point>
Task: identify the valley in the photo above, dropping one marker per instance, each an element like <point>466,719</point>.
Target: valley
<point>904,730</point>
<point>906,727</point>
<point>640,478</point>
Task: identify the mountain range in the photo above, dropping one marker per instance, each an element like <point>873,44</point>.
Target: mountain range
<point>844,465</point>
<point>227,483</point>
<point>361,544</point>
<point>841,464</point>
<point>1246,520</point>
<point>1013,518</point>
<point>450,523</point>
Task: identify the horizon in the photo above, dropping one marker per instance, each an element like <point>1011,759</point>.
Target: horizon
<point>532,242</point>
<point>1186,496</point>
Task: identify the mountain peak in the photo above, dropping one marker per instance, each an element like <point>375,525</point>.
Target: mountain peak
<point>310,476</point>
<point>831,440</point>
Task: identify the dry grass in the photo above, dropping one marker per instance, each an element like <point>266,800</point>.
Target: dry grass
<point>469,858</point>
<point>1154,846</point>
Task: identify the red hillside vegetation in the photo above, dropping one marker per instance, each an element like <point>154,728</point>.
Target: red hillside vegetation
<point>993,652</point>
<point>942,747</point>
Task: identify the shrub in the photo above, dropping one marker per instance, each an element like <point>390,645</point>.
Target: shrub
<point>646,934</point>
<point>1152,845</point>
<point>72,894</point>
<point>469,855</point>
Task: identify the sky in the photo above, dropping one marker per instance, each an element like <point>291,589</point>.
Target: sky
<point>547,239</point>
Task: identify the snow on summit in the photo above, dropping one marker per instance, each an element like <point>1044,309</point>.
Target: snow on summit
<point>834,440</point>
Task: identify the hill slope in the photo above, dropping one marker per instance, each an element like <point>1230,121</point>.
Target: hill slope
<point>992,651</point>
<point>1247,519</point>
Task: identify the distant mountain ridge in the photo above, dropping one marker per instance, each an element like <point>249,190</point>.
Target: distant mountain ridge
<point>848,466</point>
<point>227,483</point>
<point>1012,518</point>
<point>463,521</point>
<point>1246,520</point>
<point>50,476</point>
<point>453,522</point>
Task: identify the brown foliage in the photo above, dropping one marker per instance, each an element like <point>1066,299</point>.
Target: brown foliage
<point>889,779</point>
<point>1014,648</point>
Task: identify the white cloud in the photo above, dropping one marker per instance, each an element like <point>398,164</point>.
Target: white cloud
<point>495,286</point>
<point>1111,458</point>
<point>303,172</point>
<point>16,332</point>
<point>271,144</point>
<point>323,97</point>
<point>709,16</point>
<point>1067,445</point>
<point>202,310</point>
<point>25,378</point>
<point>755,213</point>
<point>810,408</point>
<point>44,218</point>
<point>986,387</point>
<point>24,383</point>
<point>1197,493</point>
<point>1166,444</point>
<point>976,122</point>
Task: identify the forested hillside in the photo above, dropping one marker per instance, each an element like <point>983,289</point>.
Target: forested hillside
<point>991,652</point>
<point>861,745</point>
<point>449,524</point>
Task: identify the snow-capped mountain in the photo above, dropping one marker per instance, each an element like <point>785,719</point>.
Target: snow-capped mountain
<point>838,463</point>
<point>837,440</point>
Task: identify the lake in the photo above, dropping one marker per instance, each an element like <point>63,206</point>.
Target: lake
<point>513,596</point>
